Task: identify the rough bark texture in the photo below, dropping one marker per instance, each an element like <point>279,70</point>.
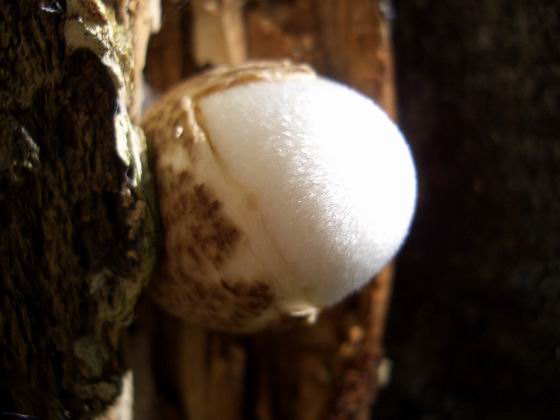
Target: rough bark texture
<point>325,371</point>
<point>76,231</point>
<point>473,331</point>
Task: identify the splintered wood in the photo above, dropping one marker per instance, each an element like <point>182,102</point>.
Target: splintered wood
<point>219,36</point>
<point>328,370</point>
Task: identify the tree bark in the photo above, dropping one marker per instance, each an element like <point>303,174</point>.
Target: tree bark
<point>325,371</point>
<point>474,327</point>
<point>77,231</point>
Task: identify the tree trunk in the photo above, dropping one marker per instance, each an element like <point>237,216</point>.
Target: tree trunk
<point>77,233</point>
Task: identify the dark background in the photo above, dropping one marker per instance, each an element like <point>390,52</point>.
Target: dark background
<point>474,329</point>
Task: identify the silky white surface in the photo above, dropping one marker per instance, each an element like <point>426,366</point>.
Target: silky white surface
<point>335,179</point>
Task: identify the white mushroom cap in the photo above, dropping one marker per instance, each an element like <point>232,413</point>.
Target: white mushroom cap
<point>316,182</point>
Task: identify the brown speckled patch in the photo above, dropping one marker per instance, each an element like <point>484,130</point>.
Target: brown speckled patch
<point>228,305</point>
<point>199,240</point>
<point>197,231</point>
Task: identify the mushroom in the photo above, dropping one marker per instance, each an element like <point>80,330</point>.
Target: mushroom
<point>280,193</point>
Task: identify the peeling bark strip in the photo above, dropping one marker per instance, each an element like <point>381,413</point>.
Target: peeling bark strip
<point>76,230</point>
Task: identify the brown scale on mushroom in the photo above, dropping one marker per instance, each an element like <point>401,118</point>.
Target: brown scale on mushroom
<point>228,305</point>
<point>199,237</point>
